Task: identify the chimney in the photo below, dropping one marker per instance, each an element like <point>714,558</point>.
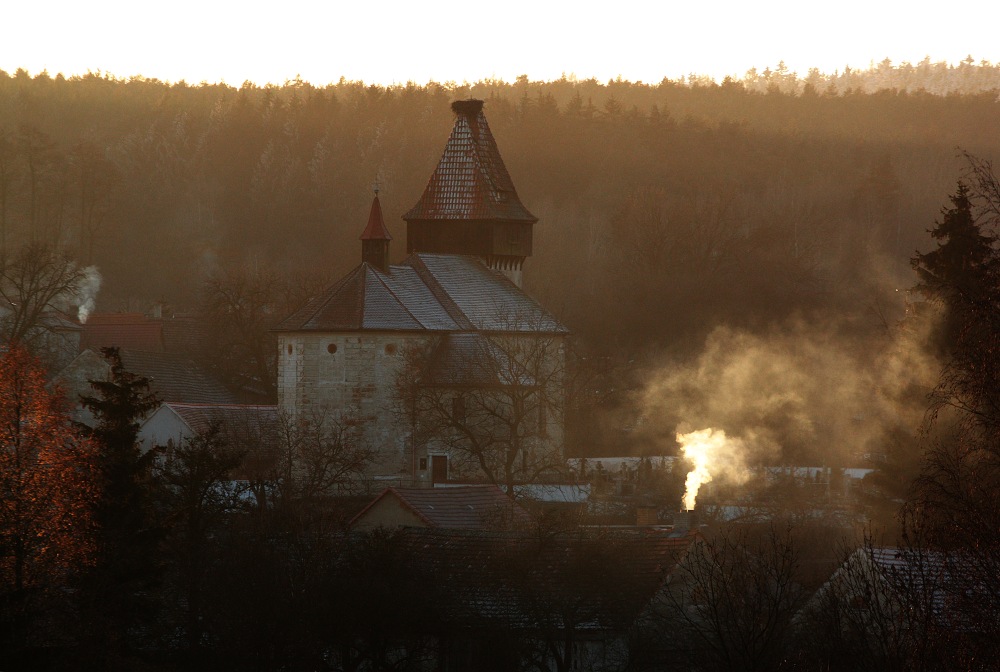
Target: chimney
<point>685,520</point>
<point>375,239</point>
<point>645,516</point>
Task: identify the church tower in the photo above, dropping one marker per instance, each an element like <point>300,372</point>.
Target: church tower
<point>470,206</point>
<point>375,239</point>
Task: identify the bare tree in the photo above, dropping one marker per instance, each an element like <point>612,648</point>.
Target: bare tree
<point>241,305</point>
<point>730,603</point>
<point>493,402</point>
<point>297,458</point>
<point>35,280</point>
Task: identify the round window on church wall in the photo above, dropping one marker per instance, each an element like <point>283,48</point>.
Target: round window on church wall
<point>332,348</point>
<point>390,348</point>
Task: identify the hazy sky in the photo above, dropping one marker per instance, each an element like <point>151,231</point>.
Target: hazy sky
<point>422,40</point>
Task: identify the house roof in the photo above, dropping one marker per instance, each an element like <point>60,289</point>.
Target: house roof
<point>376,227</point>
<point>463,507</point>
<point>176,378</point>
<point>603,581</point>
<point>132,331</point>
<point>470,181</point>
<point>427,292</point>
<point>200,418</point>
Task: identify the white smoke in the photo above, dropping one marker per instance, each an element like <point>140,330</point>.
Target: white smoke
<point>712,454</point>
<point>800,390</point>
<point>86,294</point>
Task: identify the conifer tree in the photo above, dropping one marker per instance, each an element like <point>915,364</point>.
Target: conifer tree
<point>129,534</point>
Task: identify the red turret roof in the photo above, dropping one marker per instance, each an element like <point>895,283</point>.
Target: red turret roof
<point>376,227</point>
<point>471,181</point>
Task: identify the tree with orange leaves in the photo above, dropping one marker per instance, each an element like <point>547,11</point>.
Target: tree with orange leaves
<point>46,482</point>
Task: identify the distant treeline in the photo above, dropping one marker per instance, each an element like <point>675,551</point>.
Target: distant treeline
<point>664,208</point>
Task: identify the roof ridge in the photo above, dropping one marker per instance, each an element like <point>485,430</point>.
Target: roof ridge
<point>439,293</point>
<point>399,301</point>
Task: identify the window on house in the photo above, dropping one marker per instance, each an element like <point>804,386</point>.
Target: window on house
<point>423,464</point>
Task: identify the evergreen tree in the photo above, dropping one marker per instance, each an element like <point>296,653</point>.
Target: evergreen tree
<point>960,273</point>
<point>129,534</point>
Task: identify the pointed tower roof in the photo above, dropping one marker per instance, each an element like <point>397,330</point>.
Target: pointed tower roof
<point>471,181</point>
<point>376,226</point>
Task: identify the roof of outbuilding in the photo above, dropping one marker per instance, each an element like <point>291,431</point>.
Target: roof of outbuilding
<point>176,378</point>
<point>133,331</point>
<point>527,580</point>
<point>435,292</point>
<point>258,419</point>
<point>469,507</point>
<point>470,181</point>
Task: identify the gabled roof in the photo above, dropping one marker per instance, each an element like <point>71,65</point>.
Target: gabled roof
<point>468,507</point>
<point>176,378</point>
<point>599,581</point>
<point>260,419</point>
<point>132,331</point>
<point>376,227</point>
<point>470,181</point>
<point>436,292</point>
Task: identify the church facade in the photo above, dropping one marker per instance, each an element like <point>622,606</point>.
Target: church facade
<point>451,370</point>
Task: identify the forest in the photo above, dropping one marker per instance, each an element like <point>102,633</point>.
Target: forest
<point>758,254</point>
<point>666,211</point>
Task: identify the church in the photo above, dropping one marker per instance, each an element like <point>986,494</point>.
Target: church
<point>450,370</point>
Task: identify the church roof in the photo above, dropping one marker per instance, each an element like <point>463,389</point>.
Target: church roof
<point>470,181</point>
<point>434,292</point>
<point>376,226</point>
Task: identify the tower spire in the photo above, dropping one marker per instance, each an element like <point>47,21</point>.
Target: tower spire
<point>470,205</point>
<point>375,238</point>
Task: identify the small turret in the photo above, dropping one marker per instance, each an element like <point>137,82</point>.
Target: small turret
<point>375,239</point>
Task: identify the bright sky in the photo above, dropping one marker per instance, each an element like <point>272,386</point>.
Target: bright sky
<point>397,41</point>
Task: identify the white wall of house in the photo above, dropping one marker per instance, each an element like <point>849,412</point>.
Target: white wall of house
<point>163,426</point>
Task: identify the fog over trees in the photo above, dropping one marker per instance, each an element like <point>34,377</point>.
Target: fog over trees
<point>808,261</point>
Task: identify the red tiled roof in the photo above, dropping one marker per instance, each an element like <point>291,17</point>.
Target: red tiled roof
<point>471,181</point>
<point>376,227</point>
<point>467,507</point>
<point>133,331</point>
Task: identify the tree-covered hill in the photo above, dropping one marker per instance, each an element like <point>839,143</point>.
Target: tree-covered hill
<point>664,208</point>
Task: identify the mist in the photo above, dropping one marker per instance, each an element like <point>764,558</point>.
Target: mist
<point>800,393</point>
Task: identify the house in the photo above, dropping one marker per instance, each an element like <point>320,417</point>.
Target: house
<point>444,354</point>
<point>491,600</point>
<point>890,604</point>
<point>173,423</point>
<point>466,507</point>
<point>172,377</point>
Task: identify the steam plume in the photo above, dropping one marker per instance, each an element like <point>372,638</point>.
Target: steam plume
<point>799,393</point>
<point>712,454</point>
<point>86,295</point>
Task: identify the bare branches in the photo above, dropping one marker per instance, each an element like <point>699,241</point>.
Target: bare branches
<point>34,281</point>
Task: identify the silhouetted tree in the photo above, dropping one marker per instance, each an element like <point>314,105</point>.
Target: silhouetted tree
<point>128,561</point>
